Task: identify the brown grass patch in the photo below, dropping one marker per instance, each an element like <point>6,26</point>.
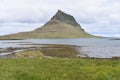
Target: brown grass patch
<point>63,51</point>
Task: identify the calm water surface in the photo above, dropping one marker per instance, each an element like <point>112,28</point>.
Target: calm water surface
<point>93,47</point>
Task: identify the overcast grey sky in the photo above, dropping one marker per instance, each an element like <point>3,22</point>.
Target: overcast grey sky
<point>99,17</point>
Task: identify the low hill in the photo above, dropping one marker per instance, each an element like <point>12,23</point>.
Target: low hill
<point>61,25</point>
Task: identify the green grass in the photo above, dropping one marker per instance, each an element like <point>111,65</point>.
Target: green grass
<point>59,69</point>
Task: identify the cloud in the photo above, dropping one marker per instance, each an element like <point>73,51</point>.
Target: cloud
<point>7,28</point>
<point>99,17</point>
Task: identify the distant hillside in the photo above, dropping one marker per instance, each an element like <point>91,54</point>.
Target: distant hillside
<point>61,25</point>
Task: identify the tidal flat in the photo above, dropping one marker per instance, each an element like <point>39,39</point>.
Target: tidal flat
<point>51,50</point>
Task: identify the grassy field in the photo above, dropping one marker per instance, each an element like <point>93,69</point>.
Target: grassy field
<point>59,69</point>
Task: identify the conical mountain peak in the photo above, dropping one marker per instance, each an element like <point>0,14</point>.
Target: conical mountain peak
<point>59,12</point>
<point>65,18</point>
<point>61,25</point>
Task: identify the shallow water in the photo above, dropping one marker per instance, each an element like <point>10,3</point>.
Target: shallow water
<point>93,47</point>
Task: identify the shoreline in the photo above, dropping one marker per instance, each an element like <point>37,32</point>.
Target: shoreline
<point>51,50</point>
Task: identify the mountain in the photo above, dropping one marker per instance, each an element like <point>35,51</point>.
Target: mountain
<point>61,25</point>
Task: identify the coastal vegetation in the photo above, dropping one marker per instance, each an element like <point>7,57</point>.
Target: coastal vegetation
<point>59,69</point>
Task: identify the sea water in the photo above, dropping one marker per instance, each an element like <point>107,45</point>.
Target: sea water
<point>93,47</point>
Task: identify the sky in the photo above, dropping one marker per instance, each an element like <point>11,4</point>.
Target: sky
<point>98,17</point>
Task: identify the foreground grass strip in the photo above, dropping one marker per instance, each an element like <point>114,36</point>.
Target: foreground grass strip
<point>59,69</point>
